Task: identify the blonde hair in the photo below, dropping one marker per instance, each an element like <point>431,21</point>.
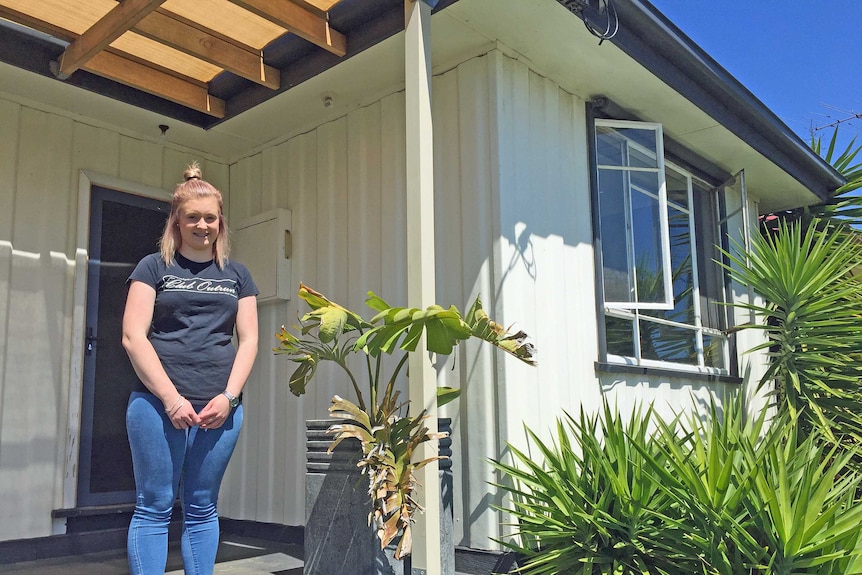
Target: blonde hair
<point>193,187</point>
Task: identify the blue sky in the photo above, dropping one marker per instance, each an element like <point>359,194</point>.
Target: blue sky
<point>801,58</point>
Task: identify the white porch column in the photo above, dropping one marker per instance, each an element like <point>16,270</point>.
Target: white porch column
<point>420,266</point>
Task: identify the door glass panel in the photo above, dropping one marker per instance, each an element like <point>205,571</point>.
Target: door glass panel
<point>124,228</point>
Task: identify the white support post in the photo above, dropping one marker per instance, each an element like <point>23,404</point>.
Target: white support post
<point>420,267</point>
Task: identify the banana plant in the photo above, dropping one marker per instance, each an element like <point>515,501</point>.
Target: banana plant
<point>389,438</point>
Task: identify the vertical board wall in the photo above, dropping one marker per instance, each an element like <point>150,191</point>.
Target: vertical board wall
<point>512,225</point>
<point>41,154</point>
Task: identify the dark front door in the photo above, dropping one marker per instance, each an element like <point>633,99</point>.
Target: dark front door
<point>123,229</point>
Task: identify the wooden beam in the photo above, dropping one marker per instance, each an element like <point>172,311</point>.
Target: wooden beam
<point>419,211</point>
<point>111,26</point>
<point>174,31</point>
<point>125,70</point>
<point>304,23</point>
<point>36,24</point>
<point>133,73</point>
<point>322,5</point>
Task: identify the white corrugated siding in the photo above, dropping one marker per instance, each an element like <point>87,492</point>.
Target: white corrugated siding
<point>512,222</point>
<point>513,211</point>
<point>41,154</point>
<point>344,183</point>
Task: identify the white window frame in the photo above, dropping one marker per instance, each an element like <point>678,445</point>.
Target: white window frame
<point>697,327</point>
<point>658,154</point>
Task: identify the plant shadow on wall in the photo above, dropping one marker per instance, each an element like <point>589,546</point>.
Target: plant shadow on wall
<point>389,438</point>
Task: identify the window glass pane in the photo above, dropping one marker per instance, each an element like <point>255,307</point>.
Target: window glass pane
<point>610,147</point>
<point>619,335</point>
<point>644,182</point>
<point>677,188</point>
<point>711,278</point>
<point>667,343</point>
<point>626,147</point>
<point>639,158</point>
<point>615,258</point>
<point>643,139</point>
<point>681,266</point>
<point>682,271</point>
<point>713,351</point>
<point>646,231</point>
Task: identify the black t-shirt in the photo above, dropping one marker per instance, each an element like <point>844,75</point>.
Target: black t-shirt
<point>193,320</point>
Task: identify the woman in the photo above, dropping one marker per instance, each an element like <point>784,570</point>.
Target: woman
<point>183,307</point>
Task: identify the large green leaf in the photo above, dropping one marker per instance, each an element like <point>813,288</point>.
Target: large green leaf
<point>389,438</point>
<point>482,327</point>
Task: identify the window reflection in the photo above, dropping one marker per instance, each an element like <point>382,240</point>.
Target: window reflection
<point>637,193</point>
<point>663,342</point>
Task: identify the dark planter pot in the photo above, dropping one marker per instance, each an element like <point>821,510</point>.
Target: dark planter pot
<point>338,538</point>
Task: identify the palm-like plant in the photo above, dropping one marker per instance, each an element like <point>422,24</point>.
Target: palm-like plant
<point>712,494</point>
<point>389,438</point>
<point>811,316</point>
<point>708,467</point>
<point>590,504</point>
<point>803,507</point>
<point>844,205</point>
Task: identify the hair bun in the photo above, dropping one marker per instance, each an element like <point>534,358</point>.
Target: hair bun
<point>193,172</point>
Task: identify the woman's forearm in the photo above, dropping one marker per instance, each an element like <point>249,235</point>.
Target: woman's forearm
<point>149,368</point>
<point>245,355</point>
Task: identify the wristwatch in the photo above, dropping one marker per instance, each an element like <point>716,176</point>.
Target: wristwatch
<point>234,400</point>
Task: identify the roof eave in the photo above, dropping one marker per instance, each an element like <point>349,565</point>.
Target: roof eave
<point>651,39</point>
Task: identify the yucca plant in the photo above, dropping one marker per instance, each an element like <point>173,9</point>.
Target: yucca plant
<point>803,507</point>
<point>811,316</point>
<point>843,207</point>
<point>705,468</point>
<point>589,502</point>
<point>378,419</point>
<point>710,494</point>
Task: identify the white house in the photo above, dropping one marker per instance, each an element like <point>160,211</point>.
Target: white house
<point>571,174</point>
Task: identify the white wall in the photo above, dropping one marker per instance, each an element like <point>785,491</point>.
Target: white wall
<point>512,174</point>
<point>41,154</point>
<point>512,225</point>
<point>344,183</point>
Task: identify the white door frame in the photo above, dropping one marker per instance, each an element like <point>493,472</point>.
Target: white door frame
<point>86,179</point>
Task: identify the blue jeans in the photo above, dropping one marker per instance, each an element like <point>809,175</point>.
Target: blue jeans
<point>161,456</point>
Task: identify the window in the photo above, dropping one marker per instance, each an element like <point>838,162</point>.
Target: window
<point>663,293</point>
<point>630,168</point>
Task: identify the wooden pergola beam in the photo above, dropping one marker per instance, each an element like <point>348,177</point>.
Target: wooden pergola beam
<point>174,31</point>
<point>304,23</point>
<point>107,29</point>
<point>148,79</point>
<point>116,66</point>
<point>36,24</point>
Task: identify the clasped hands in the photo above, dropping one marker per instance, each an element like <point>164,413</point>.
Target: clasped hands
<point>183,415</point>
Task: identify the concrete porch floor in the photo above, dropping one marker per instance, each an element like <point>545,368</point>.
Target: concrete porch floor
<point>236,556</point>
